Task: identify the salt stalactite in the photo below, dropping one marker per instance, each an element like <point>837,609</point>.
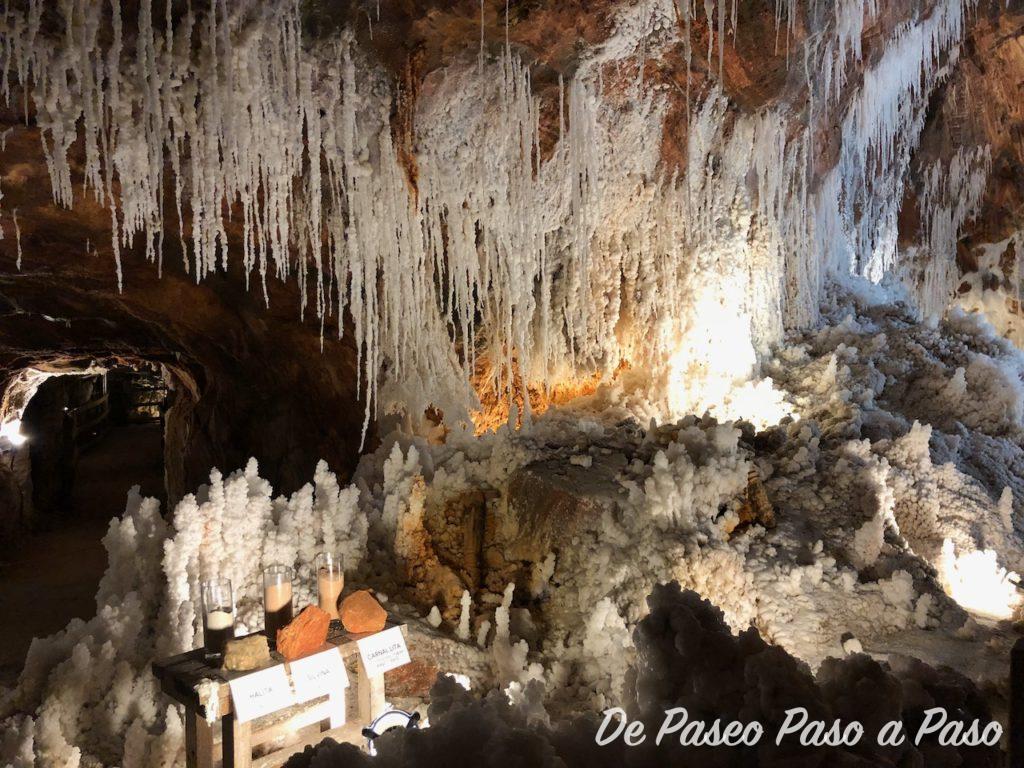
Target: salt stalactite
<point>844,47</point>
<point>950,197</point>
<point>880,131</point>
<point>658,248</point>
<point>552,267</point>
<point>17,236</point>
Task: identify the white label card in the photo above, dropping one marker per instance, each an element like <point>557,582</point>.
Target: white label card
<point>261,693</point>
<point>318,675</point>
<point>383,651</point>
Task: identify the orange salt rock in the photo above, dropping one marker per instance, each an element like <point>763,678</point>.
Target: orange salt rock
<point>306,633</point>
<point>360,612</point>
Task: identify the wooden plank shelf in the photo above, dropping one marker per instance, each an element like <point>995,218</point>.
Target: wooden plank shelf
<point>268,741</point>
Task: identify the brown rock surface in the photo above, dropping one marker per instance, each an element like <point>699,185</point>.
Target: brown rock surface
<point>755,507</point>
<point>456,528</point>
<point>306,633</point>
<point>411,680</point>
<point>429,581</point>
<point>360,612</point>
<point>549,503</point>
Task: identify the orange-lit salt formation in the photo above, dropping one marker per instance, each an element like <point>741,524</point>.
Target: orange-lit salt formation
<point>496,405</point>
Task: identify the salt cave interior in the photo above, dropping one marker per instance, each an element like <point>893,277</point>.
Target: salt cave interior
<point>630,356</point>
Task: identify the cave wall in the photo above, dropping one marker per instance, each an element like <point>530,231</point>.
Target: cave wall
<point>981,105</point>
<point>979,109</point>
<point>247,379</point>
<point>255,380</point>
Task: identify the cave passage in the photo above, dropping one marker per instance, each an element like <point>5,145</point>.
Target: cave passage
<point>91,438</point>
<point>496,370</point>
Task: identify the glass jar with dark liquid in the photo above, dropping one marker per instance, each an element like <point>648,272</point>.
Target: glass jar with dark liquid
<point>277,600</point>
<point>218,617</point>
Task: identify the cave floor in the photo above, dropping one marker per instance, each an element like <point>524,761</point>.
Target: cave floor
<point>52,575</point>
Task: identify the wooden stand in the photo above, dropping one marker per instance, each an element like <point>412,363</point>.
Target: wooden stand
<point>274,737</point>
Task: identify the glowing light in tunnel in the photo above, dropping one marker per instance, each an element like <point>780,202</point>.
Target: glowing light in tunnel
<point>977,582</point>
<point>11,432</point>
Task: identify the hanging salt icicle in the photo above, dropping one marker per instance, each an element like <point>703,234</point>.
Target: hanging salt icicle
<point>709,15</point>
<point>1018,279</point>
<point>721,40</point>
<point>950,197</point>
<point>17,237</point>
<point>480,59</point>
<point>541,267</point>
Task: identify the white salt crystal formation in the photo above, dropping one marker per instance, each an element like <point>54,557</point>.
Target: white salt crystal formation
<point>891,449</point>
<point>90,686</point>
<point>434,617</point>
<point>869,485</point>
<point>863,502</point>
<point>465,616</point>
<point>566,262</point>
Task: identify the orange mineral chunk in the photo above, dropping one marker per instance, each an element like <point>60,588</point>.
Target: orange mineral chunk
<point>306,633</point>
<point>360,612</point>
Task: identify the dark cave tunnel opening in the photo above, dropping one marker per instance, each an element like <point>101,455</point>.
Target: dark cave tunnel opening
<point>91,435</point>
<point>79,427</point>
